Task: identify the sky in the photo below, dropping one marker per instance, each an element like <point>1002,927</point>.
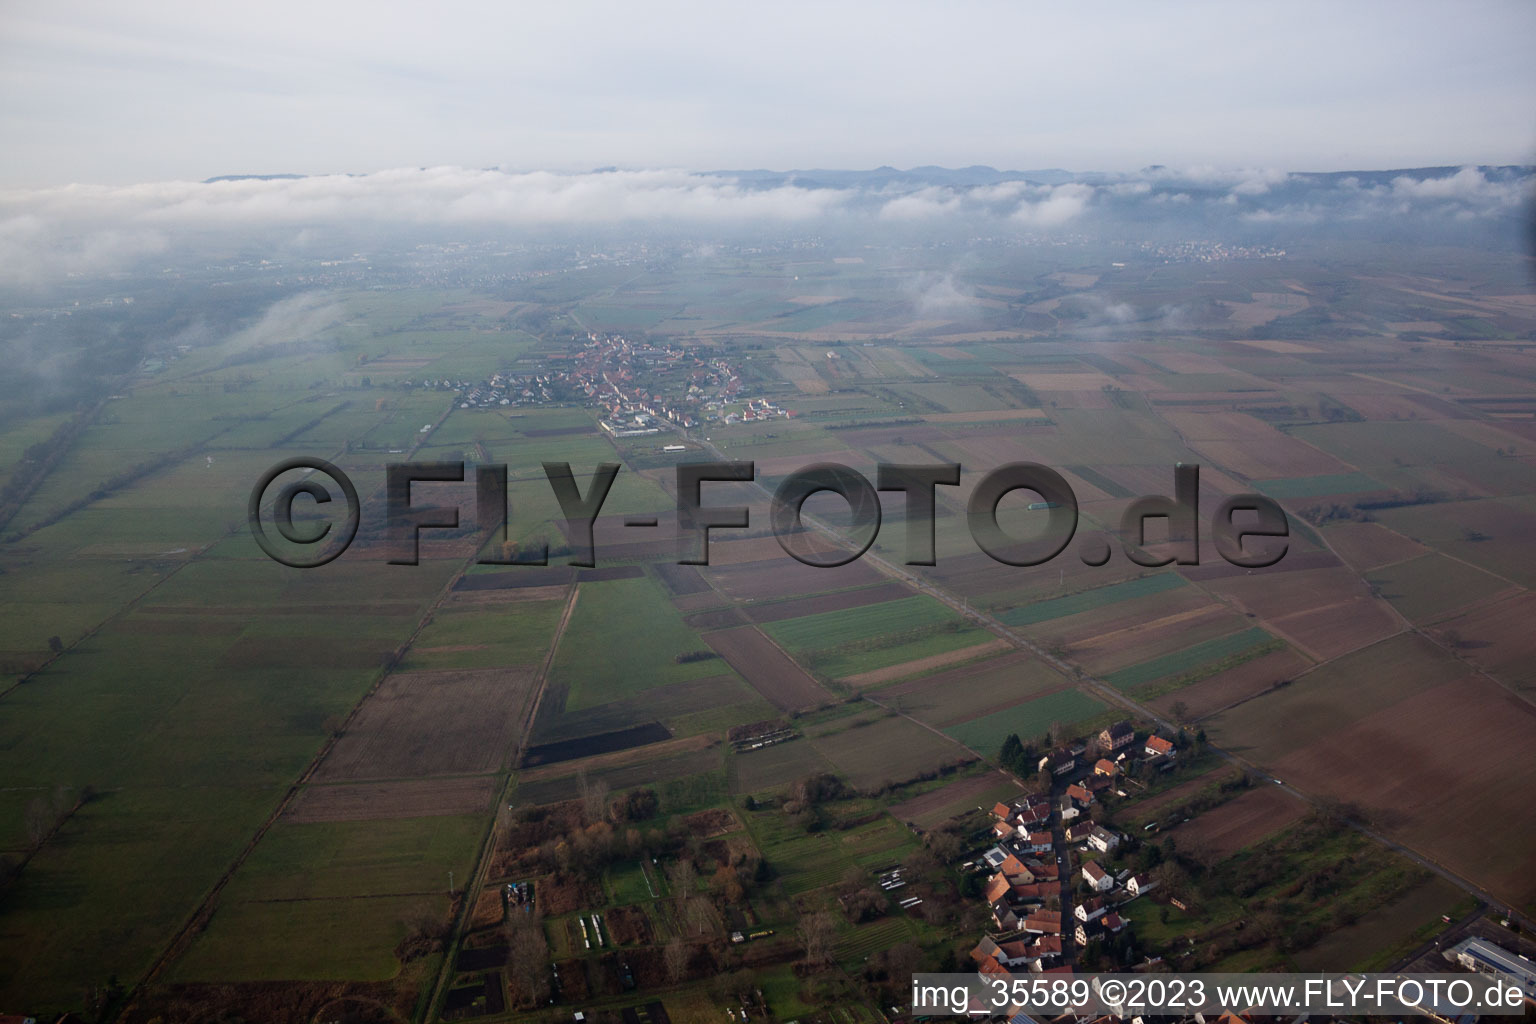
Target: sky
<point>114,93</point>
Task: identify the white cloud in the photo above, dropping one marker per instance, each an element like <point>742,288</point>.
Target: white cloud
<point>926,204</point>
<point>1468,185</point>
<point>940,295</point>
<point>1062,204</point>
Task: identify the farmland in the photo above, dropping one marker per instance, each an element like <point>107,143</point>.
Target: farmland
<point>635,617</point>
<point>223,771</point>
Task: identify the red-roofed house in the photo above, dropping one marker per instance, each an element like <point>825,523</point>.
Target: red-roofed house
<point>1098,878</point>
<point>1011,954</point>
<point>1047,945</point>
<point>1104,766</point>
<point>1015,869</point>
<point>1158,747</point>
<point>985,948</point>
<point>990,968</point>
<point>1043,922</point>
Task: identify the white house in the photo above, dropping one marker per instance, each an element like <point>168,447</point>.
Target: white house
<point>1097,877</point>
<point>1103,840</point>
<point>1090,910</point>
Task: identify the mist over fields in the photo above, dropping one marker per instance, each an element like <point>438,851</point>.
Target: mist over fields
<point>54,235</point>
<point>84,248</point>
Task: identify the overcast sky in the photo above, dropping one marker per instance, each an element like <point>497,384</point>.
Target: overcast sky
<point>124,92</point>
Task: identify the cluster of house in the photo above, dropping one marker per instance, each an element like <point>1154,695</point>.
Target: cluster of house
<point>497,390</point>
<point>607,368</point>
<point>1027,861</point>
<point>606,371</point>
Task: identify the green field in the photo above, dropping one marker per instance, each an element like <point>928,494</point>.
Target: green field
<point>844,643</point>
<point>1030,720</point>
<point>1433,586</point>
<point>472,635</point>
<point>1191,659</point>
<point>633,617</point>
<point>1318,486</point>
<point>1072,604</point>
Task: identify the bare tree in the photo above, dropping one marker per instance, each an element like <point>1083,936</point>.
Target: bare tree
<point>816,932</point>
<point>675,957</point>
<point>682,875</point>
<point>594,798</point>
<point>528,957</point>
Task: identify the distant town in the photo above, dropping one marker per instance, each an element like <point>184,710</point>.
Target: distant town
<point>638,387</point>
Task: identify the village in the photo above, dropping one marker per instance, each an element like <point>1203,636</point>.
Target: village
<point>1052,888</point>
<point>638,387</point>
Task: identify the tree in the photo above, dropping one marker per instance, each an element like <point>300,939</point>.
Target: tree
<point>675,959</point>
<point>56,645</point>
<point>864,905</point>
<point>728,884</point>
<point>1170,877</point>
<point>528,957</point>
<point>682,874</point>
<point>902,961</point>
<point>1179,710</point>
<point>947,846</point>
<point>594,799</point>
<point>1012,751</point>
<point>816,932</point>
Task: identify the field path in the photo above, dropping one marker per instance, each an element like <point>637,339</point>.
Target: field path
<point>488,844</point>
<point>1113,697</point>
<point>195,923</point>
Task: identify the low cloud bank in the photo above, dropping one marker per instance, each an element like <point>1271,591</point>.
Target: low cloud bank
<point>85,230</point>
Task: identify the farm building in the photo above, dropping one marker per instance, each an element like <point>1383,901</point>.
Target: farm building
<point>1490,958</point>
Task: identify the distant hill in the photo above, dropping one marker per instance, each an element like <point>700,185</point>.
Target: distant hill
<point>254,177</point>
